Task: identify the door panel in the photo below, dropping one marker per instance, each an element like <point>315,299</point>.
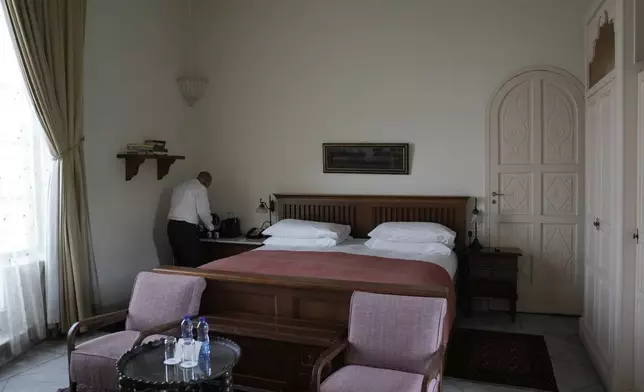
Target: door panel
<point>639,284</point>
<point>517,196</point>
<point>536,170</point>
<point>515,138</point>
<point>601,240</point>
<point>559,127</point>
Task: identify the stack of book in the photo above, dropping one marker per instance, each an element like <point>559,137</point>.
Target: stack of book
<point>156,147</point>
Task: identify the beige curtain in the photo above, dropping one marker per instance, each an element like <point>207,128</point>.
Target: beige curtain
<point>50,36</point>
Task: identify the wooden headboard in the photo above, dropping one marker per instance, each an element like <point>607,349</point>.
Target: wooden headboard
<point>363,213</point>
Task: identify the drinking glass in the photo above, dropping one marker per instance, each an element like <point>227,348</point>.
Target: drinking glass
<point>172,373</point>
<point>188,354</point>
<point>171,351</point>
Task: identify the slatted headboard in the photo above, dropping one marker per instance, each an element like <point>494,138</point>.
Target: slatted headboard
<point>363,213</point>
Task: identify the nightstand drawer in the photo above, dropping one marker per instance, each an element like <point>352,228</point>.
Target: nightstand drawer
<point>493,289</point>
<point>494,261</point>
<point>494,272</point>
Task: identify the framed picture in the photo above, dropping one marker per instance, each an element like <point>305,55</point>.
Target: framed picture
<point>366,158</point>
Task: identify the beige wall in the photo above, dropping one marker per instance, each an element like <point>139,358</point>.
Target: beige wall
<point>134,52</point>
<point>288,75</point>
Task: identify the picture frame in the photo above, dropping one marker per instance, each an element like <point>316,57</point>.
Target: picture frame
<point>366,158</point>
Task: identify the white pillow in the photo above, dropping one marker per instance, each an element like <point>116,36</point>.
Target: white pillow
<point>295,228</point>
<point>301,242</point>
<point>414,232</point>
<point>426,248</point>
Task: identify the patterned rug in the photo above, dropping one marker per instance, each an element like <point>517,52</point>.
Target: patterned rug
<point>501,358</point>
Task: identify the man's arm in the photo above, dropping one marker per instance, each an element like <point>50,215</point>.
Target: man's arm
<point>203,209</point>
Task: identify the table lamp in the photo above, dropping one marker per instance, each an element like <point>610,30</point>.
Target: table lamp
<point>265,208</point>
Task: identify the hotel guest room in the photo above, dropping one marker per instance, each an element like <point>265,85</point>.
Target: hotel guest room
<point>321,195</point>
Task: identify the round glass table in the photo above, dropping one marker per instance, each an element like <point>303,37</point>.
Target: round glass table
<point>142,369</point>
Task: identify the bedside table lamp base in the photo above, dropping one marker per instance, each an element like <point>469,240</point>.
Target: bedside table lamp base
<point>476,219</point>
<point>476,244</point>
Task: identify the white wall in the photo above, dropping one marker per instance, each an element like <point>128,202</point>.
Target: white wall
<point>288,75</point>
<point>134,52</point>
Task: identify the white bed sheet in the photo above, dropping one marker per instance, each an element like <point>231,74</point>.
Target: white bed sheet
<point>357,246</point>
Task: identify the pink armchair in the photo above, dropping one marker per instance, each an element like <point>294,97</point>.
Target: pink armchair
<point>395,344</point>
<point>157,305</point>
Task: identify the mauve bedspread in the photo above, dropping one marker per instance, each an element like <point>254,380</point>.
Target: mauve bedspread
<point>342,266</point>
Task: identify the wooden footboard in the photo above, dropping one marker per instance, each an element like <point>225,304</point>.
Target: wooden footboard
<point>309,299</point>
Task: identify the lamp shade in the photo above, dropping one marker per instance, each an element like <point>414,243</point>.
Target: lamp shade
<point>476,213</point>
<point>262,208</point>
<point>192,88</point>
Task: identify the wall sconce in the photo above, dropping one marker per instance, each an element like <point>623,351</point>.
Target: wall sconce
<point>192,88</point>
<point>265,208</point>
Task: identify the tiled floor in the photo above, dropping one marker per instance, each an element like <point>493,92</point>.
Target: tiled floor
<point>41,369</point>
<point>44,368</point>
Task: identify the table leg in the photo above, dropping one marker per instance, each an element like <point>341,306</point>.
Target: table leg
<point>227,382</point>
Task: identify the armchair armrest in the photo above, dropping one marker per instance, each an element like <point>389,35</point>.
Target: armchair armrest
<point>157,330</point>
<point>325,359</point>
<point>91,323</point>
<point>434,367</point>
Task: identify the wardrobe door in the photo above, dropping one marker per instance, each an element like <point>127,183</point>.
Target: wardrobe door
<point>601,245</point>
<point>592,204</point>
<point>639,283</point>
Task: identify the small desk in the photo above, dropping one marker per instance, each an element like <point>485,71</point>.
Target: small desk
<point>215,249</point>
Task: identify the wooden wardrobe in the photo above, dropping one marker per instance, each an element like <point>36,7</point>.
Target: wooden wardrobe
<point>612,326</point>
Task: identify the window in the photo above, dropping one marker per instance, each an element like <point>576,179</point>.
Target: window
<point>25,167</point>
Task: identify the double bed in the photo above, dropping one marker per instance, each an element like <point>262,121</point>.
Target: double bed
<point>296,301</point>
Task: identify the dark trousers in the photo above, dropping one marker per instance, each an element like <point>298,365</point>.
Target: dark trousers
<point>185,244</point>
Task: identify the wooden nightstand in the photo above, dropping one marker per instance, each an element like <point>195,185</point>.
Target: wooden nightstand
<point>492,274</point>
<point>215,249</point>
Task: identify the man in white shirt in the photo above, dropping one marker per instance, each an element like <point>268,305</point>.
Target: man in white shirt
<point>188,206</point>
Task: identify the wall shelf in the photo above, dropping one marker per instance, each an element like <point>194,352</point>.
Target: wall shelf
<point>133,161</point>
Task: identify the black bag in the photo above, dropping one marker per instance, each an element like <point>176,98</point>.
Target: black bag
<point>230,227</point>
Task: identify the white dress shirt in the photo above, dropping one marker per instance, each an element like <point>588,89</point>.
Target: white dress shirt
<point>190,204</point>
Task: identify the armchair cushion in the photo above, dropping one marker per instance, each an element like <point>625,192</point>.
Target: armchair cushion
<point>395,332</point>
<point>161,298</point>
<point>355,378</point>
<point>94,362</point>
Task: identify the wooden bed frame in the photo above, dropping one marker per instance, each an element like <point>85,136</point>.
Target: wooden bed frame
<point>283,323</point>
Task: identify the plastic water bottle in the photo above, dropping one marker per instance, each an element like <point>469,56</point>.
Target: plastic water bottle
<point>186,329</point>
<point>188,359</point>
<point>202,336</point>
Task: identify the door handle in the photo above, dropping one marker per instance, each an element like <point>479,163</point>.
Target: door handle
<point>497,194</point>
<point>596,223</point>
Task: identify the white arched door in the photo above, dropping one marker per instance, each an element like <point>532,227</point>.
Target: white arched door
<point>536,184</point>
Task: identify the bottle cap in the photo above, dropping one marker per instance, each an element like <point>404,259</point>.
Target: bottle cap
<point>202,318</point>
<point>186,317</point>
